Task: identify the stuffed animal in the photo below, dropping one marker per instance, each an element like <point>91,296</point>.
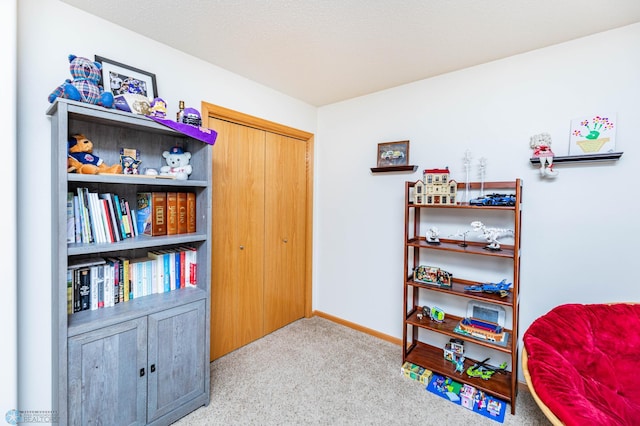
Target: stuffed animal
<point>177,163</point>
<point>84,86</point>
<point>81,160</point>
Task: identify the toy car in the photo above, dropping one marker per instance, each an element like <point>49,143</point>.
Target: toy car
<point>494,200</point>
<point>502,288</point>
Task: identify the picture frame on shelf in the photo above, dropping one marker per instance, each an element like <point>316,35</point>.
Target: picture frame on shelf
<point>119,79</point>
<point>393,154</point>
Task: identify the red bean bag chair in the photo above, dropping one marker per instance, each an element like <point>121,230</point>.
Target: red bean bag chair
<point>582,364</point>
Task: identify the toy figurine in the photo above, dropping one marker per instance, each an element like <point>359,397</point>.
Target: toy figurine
<point>491,234</point>
<point>84,86</point>
<point>432,236</point>
<point>541,145</point>
<point>158,108</point>
<point>177,163</point>
<point>82,160</point>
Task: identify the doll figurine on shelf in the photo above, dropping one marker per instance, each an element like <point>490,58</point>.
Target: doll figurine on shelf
<point>541,145</point>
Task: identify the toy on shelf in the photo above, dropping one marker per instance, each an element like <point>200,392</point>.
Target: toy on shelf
<point>467,165</point>
<point>434,314</point>
<point>481,329</point>
<point>502,288</point>
<point>158,108</point>
<point>130,161</point>
<point>84,86</point>
<point>484,371</point>
<point>82,160</point>
<point>454,352</point>
<point>177,163</point>
<point>433,236</point>
<point>435,189</point>
<point>491,234</point>
<point>494,200</point>
<point>541,145</point>
<point>432,275</point>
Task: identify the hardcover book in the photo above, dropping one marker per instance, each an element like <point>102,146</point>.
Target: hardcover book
<point>182,213</point>
<point>152,213</point>
<point>172,213</point>
<point>191,212</point>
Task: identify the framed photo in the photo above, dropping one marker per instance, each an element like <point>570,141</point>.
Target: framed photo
<point>121,79</point>
<point>393,154</point>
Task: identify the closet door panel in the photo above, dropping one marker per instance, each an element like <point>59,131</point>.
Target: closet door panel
<point>285,230</point>
<point>238,237</point>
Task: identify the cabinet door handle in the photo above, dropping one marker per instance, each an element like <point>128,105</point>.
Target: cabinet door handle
<point>153,368</point>
<point>142,372</point>
<point>241,247</point>
<point>284,240</point>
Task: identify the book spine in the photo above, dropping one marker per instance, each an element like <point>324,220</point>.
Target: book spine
<point>77,219</point>
<point>143,212</point>
<point>125,218</point>
<point>159,213</point>
<point>183,265</point>
<point>172,213</point>
<point>132,220</point>
<point>70,276</point>
<point>166,259</point>
<point>118,207</point>
<point>111,215</point>
<point>182,213</point>
<point>191,212</point>
<point>126,279</point>
<point>176,284</point>
<point>95,291</point>
<point>106,219</point>
<point>85,289</point>
<point>71,221</point>
<point>77,303</point>
<point>96,218</point>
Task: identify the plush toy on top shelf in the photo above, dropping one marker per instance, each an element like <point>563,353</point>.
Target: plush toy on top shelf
<point>81,159</point>
<point>84,86</point>
<point>177,163</point>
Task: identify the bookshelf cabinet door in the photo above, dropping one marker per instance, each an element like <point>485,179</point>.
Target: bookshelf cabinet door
<point>177,366</point>
<point>105,381</point>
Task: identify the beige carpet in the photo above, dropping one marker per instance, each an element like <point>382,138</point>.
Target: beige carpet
<point>316,372</point>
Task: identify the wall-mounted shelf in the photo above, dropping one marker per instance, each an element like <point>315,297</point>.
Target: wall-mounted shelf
<point>609,156</point>
<point>412,168</point>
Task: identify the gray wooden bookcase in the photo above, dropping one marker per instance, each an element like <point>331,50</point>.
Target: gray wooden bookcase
<point>145,361</point>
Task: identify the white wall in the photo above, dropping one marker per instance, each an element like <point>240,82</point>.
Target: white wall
<point>8,292</point>
<point>48,31</point>
<point>578,232</point>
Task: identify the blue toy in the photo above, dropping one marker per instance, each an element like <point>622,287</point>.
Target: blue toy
<point>502,288</point>
<point>84,86</point>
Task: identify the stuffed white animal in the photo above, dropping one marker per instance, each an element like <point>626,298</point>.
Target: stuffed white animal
<point>177,163</point>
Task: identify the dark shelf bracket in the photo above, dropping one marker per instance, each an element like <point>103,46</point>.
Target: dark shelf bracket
<point>412,168</point>
<point>593,158</point>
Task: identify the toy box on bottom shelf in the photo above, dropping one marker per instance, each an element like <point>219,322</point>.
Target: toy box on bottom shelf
<point>415,372</point>
<point>468,397</point>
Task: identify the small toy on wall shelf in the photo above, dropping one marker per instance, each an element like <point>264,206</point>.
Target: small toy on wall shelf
<point>158,108</point>
<point>433,236</point>
<point>541,145</point>
<point>177,163</point>
<point>84,86</point>
<point>130,161</point>
<point>81,159</point>
<point>491,234</point>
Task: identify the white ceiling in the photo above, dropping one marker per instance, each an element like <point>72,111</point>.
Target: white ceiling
<point>324,51</point>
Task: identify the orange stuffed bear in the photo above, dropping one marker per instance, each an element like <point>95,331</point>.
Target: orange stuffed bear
<point>81,160</point>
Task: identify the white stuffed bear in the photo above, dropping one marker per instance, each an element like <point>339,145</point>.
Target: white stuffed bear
<point>177,163</point>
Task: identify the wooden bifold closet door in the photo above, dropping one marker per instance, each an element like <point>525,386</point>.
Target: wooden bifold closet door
<point>260,260</point>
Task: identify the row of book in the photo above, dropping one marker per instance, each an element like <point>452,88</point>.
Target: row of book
<point>108,218</point>
<point>97,282</point>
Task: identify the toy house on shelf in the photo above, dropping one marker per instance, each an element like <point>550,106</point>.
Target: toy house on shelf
<point>435,189</point>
